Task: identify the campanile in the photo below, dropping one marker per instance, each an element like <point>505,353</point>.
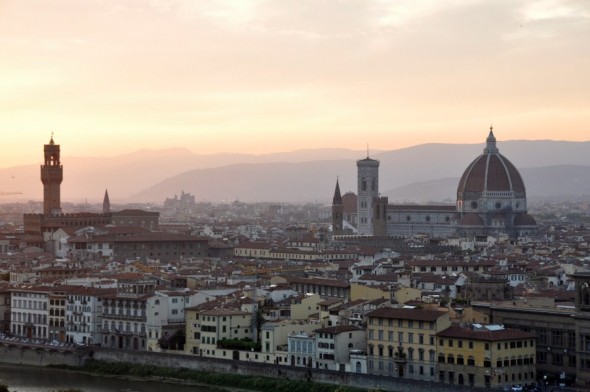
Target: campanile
<point>51,177</point>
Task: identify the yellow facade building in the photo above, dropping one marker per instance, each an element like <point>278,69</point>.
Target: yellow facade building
<point>485,356</point>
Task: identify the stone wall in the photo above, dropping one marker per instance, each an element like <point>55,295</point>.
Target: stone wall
<point>270,370</point>
<point>35,356</point>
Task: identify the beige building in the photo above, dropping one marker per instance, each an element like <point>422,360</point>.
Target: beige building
<point>274,338</point>
<point>307,308</point>
<point>402,342</point>
<point>361,291</point>
<point>207,328</point>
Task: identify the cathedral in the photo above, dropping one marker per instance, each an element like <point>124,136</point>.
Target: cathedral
<point>491,200</point>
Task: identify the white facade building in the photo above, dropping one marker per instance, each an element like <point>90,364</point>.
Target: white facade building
<point>165,315</point>
<point>30,312</point>
<point>84,314</point>
<point>334,345</point>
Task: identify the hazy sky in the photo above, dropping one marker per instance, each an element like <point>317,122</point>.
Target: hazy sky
<point>113,76</point>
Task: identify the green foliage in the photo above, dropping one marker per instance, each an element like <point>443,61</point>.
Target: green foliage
<point>174,342</point>
<point>254,383</point>
<point>245,344</point>
<point>3,388</point>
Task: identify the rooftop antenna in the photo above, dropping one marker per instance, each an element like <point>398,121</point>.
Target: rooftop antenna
<point>367,150</point>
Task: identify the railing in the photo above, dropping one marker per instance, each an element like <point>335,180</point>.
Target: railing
<point>123,317</point>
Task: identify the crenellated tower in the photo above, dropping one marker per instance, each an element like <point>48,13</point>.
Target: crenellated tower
<point>51,177</point>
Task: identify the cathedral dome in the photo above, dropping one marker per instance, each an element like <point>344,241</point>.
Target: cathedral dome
<point>491,197</point>
<point>524,219</point>
<point>491,172</point>
<point>471,219</point>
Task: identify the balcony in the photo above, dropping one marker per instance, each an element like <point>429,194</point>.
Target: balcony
<point>399,356</point>
<point>123,317</point>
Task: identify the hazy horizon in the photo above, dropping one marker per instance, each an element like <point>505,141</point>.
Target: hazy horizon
<point>261,76</point>
<point>362,152</point>
<point>301,175</point>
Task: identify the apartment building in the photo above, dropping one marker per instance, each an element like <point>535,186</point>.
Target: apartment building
<point>488,356</point>
<point>402,342</point>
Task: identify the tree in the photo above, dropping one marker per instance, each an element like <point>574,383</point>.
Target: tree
<point>259,322</point>
<point>174,342</point>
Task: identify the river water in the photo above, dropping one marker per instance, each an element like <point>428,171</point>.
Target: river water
<point>37,379</point>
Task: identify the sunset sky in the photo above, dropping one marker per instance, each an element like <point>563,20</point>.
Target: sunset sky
<point>113,76</point>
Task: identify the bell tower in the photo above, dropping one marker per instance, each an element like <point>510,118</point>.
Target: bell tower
<point>368,191</point>
<point>337,212</point>
<point>51,177</point>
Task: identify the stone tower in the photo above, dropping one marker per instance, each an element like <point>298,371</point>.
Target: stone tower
<point>106,203</point>
<point>337,212</point>
<point>380,216</point>
<point>51,177</point>
<point>368,190</point>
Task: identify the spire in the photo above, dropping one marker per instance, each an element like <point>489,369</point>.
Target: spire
<point>106,203</point>
<point>491,143</point>
<point>337,200</point>
<point>51,142</point>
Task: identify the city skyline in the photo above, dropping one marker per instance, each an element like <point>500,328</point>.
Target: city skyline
<point>113,77</point>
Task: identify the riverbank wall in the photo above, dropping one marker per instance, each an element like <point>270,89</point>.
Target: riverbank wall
<point>41,356</point>
<point>79,356</point>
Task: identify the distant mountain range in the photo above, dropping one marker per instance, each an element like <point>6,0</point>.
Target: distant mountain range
<point>427,172</point>
<point>560,181</point>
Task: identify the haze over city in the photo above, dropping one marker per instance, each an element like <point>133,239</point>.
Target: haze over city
<point>111,77</point>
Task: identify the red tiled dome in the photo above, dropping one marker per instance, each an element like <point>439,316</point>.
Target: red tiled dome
<point>471,219</point>
<point>490,172</point>
<point>524,220</point>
